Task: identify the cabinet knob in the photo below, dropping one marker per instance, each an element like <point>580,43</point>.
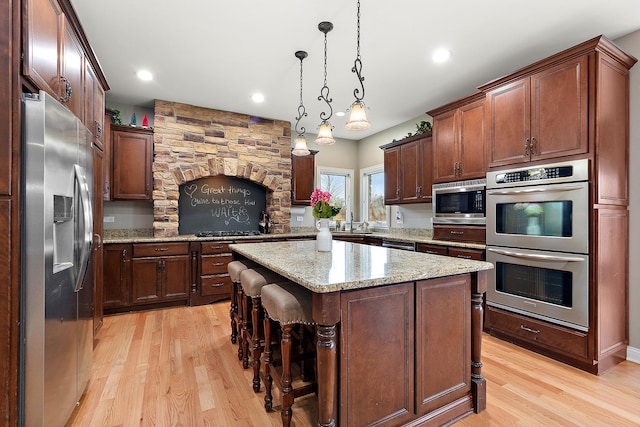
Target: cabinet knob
<point>124,255</point>
<point>460,164</point>
<point>533,141</point>
<point>67,90</point>
<point>526,147</point>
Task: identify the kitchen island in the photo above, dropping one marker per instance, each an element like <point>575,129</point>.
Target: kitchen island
<point>399,335</point>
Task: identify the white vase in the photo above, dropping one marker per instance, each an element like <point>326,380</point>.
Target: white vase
<point>533,227</point>
<point>324,238</point>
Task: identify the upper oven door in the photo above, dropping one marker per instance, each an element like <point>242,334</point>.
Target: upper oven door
<point>546,217</point>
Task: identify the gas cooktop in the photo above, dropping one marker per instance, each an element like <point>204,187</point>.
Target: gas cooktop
<point>226,233</point>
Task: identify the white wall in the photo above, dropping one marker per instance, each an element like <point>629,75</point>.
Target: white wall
<point>128,215</point>
<point>631,44</point>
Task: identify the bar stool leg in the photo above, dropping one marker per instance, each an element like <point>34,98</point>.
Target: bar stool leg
<point>233,312</point>
<point>256,349</point>
<point>241,309</point>
<point>246,325</point>
<point>287,389</point>
<point>268,380</point>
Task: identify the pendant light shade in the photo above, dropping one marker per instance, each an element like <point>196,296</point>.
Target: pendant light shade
<point>358,115</point>
<point>324,132</point>
<point>300,148</point>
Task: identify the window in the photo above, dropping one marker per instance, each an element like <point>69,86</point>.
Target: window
<point>338,182</point>
<point>374,210</point>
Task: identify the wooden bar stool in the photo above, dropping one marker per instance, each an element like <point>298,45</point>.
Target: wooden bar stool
<point>252,281</point>
<point>289,304</point>
<point>235,268</point>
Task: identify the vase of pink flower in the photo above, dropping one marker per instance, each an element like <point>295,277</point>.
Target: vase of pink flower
<point>324,211</point>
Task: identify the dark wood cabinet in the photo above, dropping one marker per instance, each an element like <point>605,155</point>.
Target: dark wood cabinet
<point>214,283</point>
<point>302,178</point>
<point>117,276</point>
<point>72,72</point>
<point>541,116</point>
<point>460,233</point>
<point>452,251</point>
<point>458,140</point>
<point>408,170</point>
<point>94,106</point>
<point>132,156</point>
<point>160,272</point>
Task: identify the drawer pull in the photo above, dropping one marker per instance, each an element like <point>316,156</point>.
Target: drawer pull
<point>217,264</point>
<point>162,249</point>
<point>464,256</point>
<point>216,247</point>
<point>524,328</point>
<point>216,285</point>
<point>456,232</point>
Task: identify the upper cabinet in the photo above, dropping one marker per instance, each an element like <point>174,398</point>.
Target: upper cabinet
<point>302,178</point>
<point>541,116</point>
<point>94,106</point>
<point>132,156</point>
<point>59,60</point>
<point>408,170</point>
<point>458,140</point>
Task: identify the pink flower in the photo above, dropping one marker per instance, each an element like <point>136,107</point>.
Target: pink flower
<point>319,195</point>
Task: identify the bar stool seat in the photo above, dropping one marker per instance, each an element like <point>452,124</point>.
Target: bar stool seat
<point>289,304</point>
<point>252,281</point>
<point>235,268</point>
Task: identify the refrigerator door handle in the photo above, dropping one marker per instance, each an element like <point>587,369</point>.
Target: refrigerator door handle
<point>85,227</point>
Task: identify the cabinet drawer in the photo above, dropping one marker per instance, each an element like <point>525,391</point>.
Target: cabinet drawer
<point>460,233</point>
<point>156,249</point>
<point>547,335</point>
<point>474,254</point>
<point>215,264</point>
<point>217,284</point>
<point>214,247</point>
<point>431,249</point>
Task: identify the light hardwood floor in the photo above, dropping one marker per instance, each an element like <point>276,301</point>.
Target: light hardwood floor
<point>177,367</point>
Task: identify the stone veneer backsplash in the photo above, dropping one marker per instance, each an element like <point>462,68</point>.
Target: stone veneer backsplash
<point>193,142</point>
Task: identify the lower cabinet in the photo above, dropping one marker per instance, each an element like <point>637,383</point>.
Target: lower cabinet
<point>141,274</point>
<point>214,283</point>
<point>457,252</point>
<point>428,326</point>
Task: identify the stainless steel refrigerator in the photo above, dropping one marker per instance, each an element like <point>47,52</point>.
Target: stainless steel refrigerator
<point>57,291</point>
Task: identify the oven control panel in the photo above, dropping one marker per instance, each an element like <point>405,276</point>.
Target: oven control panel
<point>572,171</point>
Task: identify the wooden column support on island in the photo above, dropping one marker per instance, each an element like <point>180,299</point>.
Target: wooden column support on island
<point>478,383</point>
<point>326,312</point>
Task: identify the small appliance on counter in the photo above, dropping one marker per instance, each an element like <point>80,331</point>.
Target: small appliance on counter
<point>265,223</point>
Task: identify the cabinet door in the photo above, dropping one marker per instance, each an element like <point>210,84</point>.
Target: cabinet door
<point>108,156</point>
<point>432,249</point>
<point>176,277</point>
<point>443,319</point>
<point>94,106</point>
<point>146,280</point>
<point>132,157</point>
<point>392,176</point>
<point>466,253</point>
<point>559,110</point>
<point>302,178</point>
<point>44,22</point>
<point>509,123</point>
<point>71,73</point>
<point>426,166</point>
<point>98,114</point>
<point>411,177</point>
<point>117,260</point>
<point>471,141</point>
<point>445,148</point>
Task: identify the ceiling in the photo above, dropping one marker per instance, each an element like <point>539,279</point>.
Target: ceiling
<point>216,54</point>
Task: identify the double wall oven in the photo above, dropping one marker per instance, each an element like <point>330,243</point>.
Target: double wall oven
<point>538,241</point>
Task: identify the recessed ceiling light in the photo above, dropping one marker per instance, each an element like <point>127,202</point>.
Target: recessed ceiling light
<point>257,97</point>
<point>340,113</point>
<point>144,75</point>
<point>441,55</point>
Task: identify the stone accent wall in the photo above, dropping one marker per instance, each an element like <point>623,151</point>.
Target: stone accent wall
<point>194,142</point>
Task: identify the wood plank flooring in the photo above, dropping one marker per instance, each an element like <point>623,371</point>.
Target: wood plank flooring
<point>177,367</point>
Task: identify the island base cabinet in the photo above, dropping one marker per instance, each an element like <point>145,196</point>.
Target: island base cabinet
<point>405,353</point>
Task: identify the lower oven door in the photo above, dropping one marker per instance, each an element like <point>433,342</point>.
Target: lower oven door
<point>546,285</point>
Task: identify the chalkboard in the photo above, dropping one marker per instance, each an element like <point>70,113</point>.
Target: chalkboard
<point>220,203</point>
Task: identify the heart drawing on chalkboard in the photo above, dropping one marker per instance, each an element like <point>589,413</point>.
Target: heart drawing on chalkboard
<point>191,189</point>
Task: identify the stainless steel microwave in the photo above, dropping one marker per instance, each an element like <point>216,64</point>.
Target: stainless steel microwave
<point>461,202</point>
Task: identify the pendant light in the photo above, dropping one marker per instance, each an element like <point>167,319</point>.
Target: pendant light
<point>324,131</point>
<point>358,116</point>
<point>300,148</point>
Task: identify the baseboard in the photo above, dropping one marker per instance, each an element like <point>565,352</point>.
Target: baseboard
<point>633,354</point>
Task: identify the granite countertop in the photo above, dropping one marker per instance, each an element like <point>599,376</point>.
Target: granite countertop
<point>400,235</point>
<point>352,265</point>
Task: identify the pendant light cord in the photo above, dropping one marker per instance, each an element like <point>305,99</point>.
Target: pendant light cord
<point>357,64</point>
<point>324,92</point>
<point>301,110</point>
